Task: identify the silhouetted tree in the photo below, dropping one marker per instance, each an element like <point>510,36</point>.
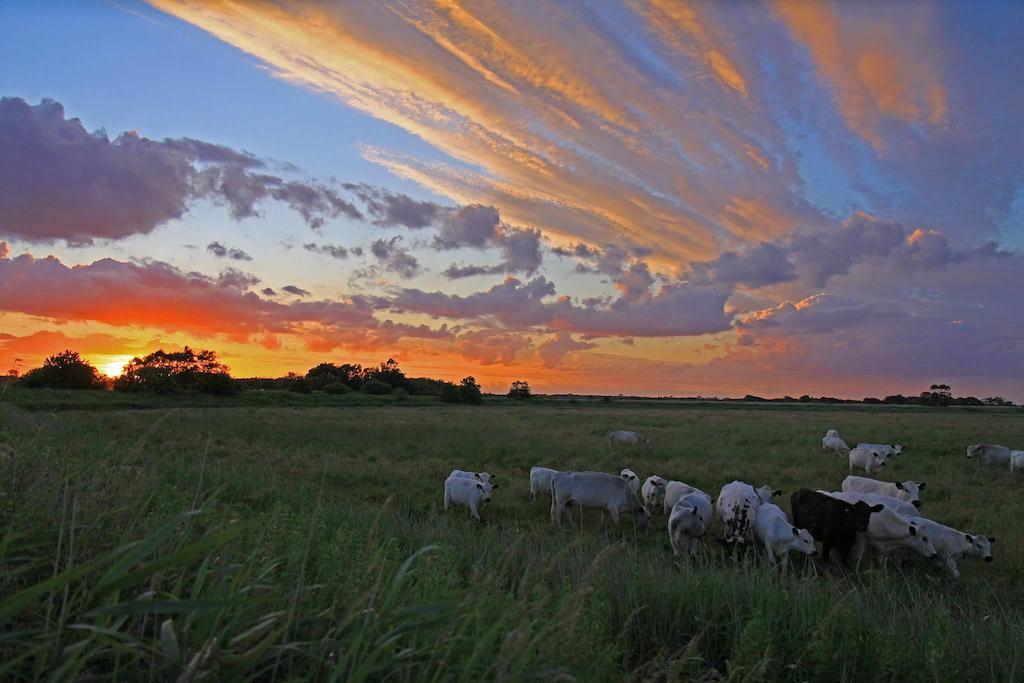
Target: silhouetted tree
<point>470,391</point>
<point>165,372</point>
<point>388,373</point>
<point>519,389</point>
<point>66,370</point>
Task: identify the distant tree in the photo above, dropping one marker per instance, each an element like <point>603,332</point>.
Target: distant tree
<point>425,386</point>
<point>450,393</point>
<point>166,372</point>
<point>375,386</point>
<point>327,373</point>
<point>389,373</point>
<point>336,388</point>
<point>941,389</point>
<point>519,389</point>
<point>997,401</point>
<point>300,385</point>
<point>66,370</point>
<point>470,391</point>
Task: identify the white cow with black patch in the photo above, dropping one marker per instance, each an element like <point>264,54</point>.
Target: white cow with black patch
<point>737,506</point>
<point>952,545</point>
<point>883,449</point>
<point>631,478</point>
<point>674,490</point>
<point>773,530</point>
<point>907,491</point>
<point>653,493</point>
<point>688,522</point>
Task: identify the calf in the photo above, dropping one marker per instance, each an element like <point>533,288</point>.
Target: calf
<point>889,530</point>
<point>653,492</point>
<point>834,522</point>
<point>467,492</point>
<point>540,481</point>
<point>631,478</point>
<point>737,508</point>
<point>620,438</point>
<point>773,530</point>
<point>689,521</point>
<point>883,449</point>
<point>952,545</point>
<point>833,443</point>
<point>595,490</point>
<point>866,459</point>
<point>907,491</point>
<point>989,454</point>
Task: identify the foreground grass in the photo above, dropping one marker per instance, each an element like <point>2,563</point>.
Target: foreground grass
<point>287,543</point>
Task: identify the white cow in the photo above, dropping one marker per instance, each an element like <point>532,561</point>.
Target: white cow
<point>631,478</point>
<point>866,459</point>
<point>883,449</point>
<point>619,438</point>
<point>889,530</point>
<point>895,504</point>
<point>907,491</point>
<point>653,492</point>
<point>833,443</point>
<point>989,454</point>
<point>952,545</point>
<point>1016,460</point>
<point>674,490</point>
<point>737,508</point>
<point>479,476</point>
<point>466,492</point>
<point>689,520</point>
<point>595,490</point>
<point>773,530</point>
<point>540,481</point>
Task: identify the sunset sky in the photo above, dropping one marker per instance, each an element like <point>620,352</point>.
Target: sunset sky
<point>647,198</point>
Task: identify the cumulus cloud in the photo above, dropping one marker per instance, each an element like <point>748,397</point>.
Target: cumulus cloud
<point>553,350</point>
<point>393,209</point>
<point>221,251</point>
<point>395,258</point>
<point>59,181</point>
<point>490,346</point>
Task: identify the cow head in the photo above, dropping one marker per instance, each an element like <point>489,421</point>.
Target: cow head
<point>802,542</point>
<point>485,491</point>
<point>920,543</point>
<point>860,514</point>
<point>643,517</point>
<point>766,494</point>
<point>973,449</point>
<point>897,449</point>
<point>981,546</point>
<point>911,492</point>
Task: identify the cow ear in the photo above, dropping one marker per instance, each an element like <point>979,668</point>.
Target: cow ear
<point>899,486</point>
<point>776,493</point>
<point>921,487</point>
<point>913,530</point>
<point>991,539</point>
<point>494,487</point>
<point>877,508</point>
<point>796,532</point>
<point>969,539</point>
<point>480,486</point>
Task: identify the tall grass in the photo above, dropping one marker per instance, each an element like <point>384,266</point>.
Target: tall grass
<point>243,544</point>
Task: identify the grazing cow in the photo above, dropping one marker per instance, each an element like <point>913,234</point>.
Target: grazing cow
<point>540,481</point>
<point>834,522</point>
<point>467,492</point>
<point>773,530</point>
<point>737,508</point>
<point>952,545</point>
<point>653,492</point>
<point>631,478</point>
<point>889,530</point>
<point>479,476</point>
<point>689,521</point>
<point>883,449</point>
<point>1016,460</point>
<point>989,454</point>
<point>866,459</point>
<point>833,443</point>
<point>895,504</point>
<point>908,491</point>
<point>674,490</point>
<point>619,438</point>
<point>595,490</point>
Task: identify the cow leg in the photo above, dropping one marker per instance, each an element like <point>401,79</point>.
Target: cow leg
<point>556,511</point>
<point>474,510</point>
<point>614,513</point>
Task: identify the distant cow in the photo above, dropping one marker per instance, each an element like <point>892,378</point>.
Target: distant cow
<point>674,490</point>
<point>908,491</point>
<point>631,478</point>
<point>989,454</point>
<point>737,508</point>
<point>1016,460</point>
<point>688,522</point>
<point>952,545</point>
<point>479,476</point>
<point>833,522</point>
<point>653,492</point>
<point>595,490</point>
<point>466,492</point>
<point>833,443</point>
<point>773,530</point>
<point>540,481</point>
<point>866,459</point>
<point>619,438</point>
<point>883,449</point>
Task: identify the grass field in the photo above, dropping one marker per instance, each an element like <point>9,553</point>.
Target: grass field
<point>282,543</point>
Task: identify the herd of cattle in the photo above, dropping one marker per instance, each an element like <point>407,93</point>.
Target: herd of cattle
<point>866,514</point>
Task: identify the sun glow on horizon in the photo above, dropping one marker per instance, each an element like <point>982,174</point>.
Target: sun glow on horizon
<point>113,366</point>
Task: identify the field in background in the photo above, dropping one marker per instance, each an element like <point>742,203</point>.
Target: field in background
<point>295,561</point>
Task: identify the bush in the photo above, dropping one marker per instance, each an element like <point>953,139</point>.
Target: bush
<point>336,388</point>
<point>376,387</point>
<point>65,370</point>
<point>216,384</point>
<point>450,393</point>
<point>300,385</point>
<point>519,389</point>
<point>401,396</point>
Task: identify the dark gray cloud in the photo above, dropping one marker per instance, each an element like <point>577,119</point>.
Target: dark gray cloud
<point>335,251</point>
<point>268,291</point>
<point>297,291</point>
<point>221,251</point>
<point>232,277</point>
<point>58,181</point>
<point>393,209</point>
<point>395,258</point>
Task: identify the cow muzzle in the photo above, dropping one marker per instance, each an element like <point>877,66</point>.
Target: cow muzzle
<point>988,559</point>
<point>916,503</point>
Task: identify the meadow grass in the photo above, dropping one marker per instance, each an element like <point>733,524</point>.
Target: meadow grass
<point>286,543</point>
